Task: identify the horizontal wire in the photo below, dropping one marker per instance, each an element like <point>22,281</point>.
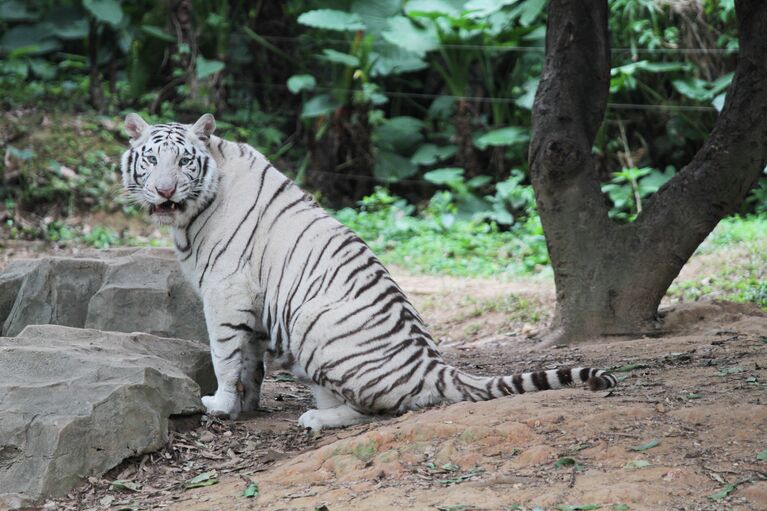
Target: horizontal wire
<point>485,99</point>
<point>522,49</point>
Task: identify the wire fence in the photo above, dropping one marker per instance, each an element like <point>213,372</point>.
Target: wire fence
<point>510,47</point>
<point>486,99</point>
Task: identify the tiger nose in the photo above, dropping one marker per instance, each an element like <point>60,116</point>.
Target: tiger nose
<point>166,193</point>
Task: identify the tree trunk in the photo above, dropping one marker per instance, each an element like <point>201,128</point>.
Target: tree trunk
<point>610,277</point>
<point>464,139</point>
<point>342,160</point>
<point>181,14</point>
<point>94,88</point>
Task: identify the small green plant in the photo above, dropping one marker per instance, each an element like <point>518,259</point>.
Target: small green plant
<point>630,186</point>
<point>438,240</point>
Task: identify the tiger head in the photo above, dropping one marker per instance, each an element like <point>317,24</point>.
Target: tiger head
<point>169,169</point>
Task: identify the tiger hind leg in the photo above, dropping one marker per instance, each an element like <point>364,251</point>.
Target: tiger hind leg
<point>324,398</point>
<point>337,417</point>
<point>252,372</point>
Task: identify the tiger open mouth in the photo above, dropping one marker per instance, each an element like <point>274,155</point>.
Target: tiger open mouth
<point>166,208</point>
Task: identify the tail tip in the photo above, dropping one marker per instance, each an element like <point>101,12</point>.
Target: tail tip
<point>602,381</point>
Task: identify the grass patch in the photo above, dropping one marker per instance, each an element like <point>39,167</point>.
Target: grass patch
<point>737,250</point>
<point>436,240</point>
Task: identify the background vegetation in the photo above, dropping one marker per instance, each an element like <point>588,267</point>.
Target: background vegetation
<point>409,118</point>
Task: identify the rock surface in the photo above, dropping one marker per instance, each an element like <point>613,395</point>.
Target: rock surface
<point>77,402</point>
<point>124,290</point>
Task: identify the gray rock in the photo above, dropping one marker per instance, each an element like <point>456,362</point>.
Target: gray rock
<point>125,290</point>
<point>76,402</point>
<point>10,283</point>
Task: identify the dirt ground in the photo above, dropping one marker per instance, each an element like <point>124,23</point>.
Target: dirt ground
<point>683,430</point>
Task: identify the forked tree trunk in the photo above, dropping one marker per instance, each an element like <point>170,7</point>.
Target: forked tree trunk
<point>610,277</point>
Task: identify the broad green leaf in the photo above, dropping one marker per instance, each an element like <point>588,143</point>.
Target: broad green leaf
<point>633,465</point>
<point>332,19</point>
<point>207,67</point>
<point>108,11</point>
<point>430,8</point>
<point>527,99</point>
<point>530,11</point>
<point>370,94</point>
<point>403,33</point>
<point>647,446</point>
<point>442,107</point>
<point>401,134</point>
<point>251,491</point>
<point>204,479</point>
<point>70,27</point>
<point>484,8</point>
<point>298,83</point>
<point>375,13</point>
<point>650,67</point>
<point>502,137</point>
<point>723,493</point>
<point>14,10</point>
<point>718,101</point>
<point>340,58</point>
<point>762,456</point>
<point>693,396</point>
<point>392,167</point>
<point>14,67</point>
<point>429,154</point>
<point>693,88</point>
<point>652,182</point>
<point>319,106</point>
<point>393,60</point>
<point>33,39</point>
<point>158,33</point>
<point>444,175</point>
<point>620,507</point>
<point>478,181</point>
<point>721,83</point>
<point>42,68</point>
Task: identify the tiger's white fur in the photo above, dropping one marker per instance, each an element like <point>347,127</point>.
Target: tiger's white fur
<point>284,284</point>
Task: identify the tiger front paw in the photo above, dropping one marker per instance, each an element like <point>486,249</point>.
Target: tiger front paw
<point>222,404</point>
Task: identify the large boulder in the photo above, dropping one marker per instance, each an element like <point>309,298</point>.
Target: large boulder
<point>124,290</point>
<point>76,402</point>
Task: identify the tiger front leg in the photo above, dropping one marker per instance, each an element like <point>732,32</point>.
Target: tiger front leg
<point>236,347</point>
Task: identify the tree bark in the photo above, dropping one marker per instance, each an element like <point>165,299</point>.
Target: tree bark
<point>341,159</point>
<point>610,278</point>
<point>94,88</point>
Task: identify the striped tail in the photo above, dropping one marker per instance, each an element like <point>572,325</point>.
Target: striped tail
<point>460,386</point>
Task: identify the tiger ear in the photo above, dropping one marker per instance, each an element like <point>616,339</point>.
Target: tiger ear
<point>135,125</point>
<point>204,127</point>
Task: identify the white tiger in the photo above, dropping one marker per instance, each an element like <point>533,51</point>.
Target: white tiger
<point>285,284</point>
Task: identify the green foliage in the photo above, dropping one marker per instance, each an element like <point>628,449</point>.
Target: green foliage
<point>281,76</point>
<point>739,246</point>
<point>630,186</point>
<point>437,240</point>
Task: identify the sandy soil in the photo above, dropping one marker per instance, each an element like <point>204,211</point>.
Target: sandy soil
<point>682,431</point>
